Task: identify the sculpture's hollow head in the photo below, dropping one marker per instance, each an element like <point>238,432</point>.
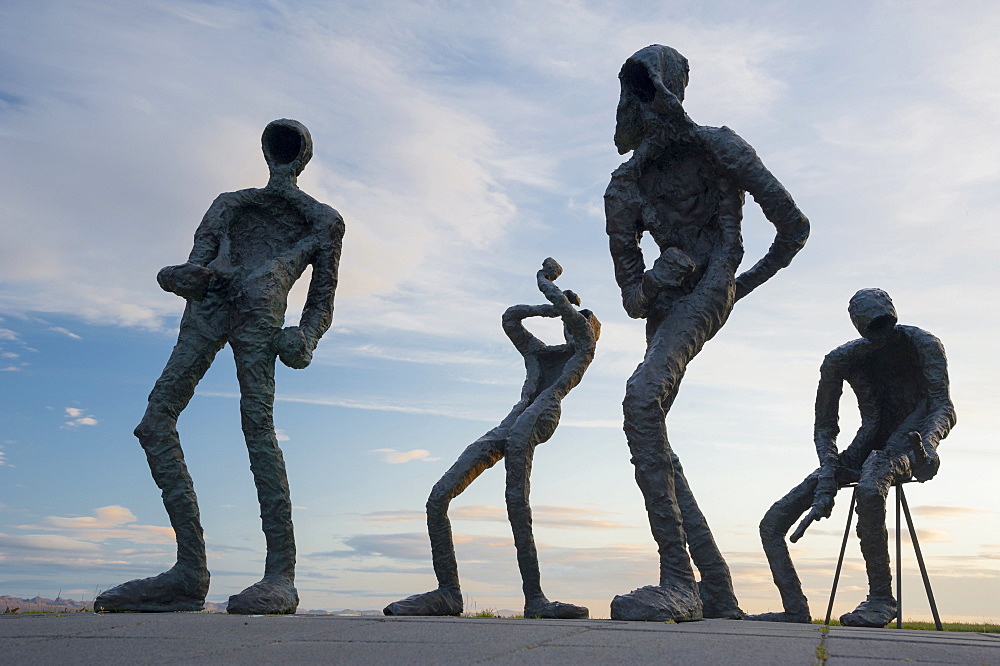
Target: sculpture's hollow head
<point>656,69</point>
<point>595,326</point>
<point>873,314</point>
<point>287,146</point>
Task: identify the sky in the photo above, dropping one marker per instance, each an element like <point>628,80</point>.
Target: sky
<point>464,143</point>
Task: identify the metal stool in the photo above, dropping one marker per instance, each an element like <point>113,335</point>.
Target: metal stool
<point>902,508</point>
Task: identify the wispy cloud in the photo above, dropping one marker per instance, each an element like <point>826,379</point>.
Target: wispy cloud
<point>394,457</point>
<point>67,333</point>
<point>107,522</point>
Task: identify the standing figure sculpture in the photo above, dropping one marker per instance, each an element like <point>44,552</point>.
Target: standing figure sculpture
<point>900,377</point>
<point>552,371</point>
<point>249,250</point>
<point>684,184</point>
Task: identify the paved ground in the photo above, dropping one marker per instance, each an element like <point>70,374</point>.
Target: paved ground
<point>197,638</point>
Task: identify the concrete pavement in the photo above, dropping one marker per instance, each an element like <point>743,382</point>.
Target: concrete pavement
<point>201,638</point>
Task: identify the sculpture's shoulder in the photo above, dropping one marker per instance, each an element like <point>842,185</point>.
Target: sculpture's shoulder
<point>728,148</point>
<point>926,343</point>
<point>326,221</point>
<point>845,358</point>
<point>226,202</point>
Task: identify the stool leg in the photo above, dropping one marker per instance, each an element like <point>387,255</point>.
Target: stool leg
<point>899,558</point>
<point>920,561</point>
<point>840,560</point>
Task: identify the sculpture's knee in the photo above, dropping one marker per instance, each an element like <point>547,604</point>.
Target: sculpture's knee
<point>156,423</point>
<point>438,501</point>
<point>774,525</point>
<point>870,497</point>
<point>642,402</point>
<point>771,527</point>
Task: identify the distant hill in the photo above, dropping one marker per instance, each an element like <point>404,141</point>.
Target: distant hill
<point>60,605</point>
<point>36,604</point>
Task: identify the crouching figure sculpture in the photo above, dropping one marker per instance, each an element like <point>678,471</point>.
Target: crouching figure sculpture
<point>249,250</point>
<point>900,377</point>
<point>552,371</point>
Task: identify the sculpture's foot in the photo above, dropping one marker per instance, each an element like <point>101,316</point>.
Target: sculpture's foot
<point>718,602</point>
<point>268,597</point>
<point>436,602</point>
<point>544,609</point>
<point>778,617</point>
<point>872,612</point>
<point>177,589</point>
<point>652,603</point>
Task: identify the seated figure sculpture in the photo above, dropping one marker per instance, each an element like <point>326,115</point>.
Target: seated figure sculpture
<point>900,377</point>
<point>249,250</point>
<point>552,371</point>
<point>684,185</point>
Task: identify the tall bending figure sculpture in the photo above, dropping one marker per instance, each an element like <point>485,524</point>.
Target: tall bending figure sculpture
<point>899,375</point>
<point>552,371</point>
<point>249,250</point>
<point>684,184</point>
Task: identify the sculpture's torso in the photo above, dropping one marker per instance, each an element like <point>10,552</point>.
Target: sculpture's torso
<point>265,241</point>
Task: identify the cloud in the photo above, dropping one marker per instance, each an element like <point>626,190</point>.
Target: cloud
<point>77,418</point>
<point>946,512</point>
<point>68,334</point>
<point>281,435</point>
<point>3,458</point>
<point>7,334</point>
<point>107,522</point>
<point>394,457</point>
<point>545,515</point>
<point>372,404</point>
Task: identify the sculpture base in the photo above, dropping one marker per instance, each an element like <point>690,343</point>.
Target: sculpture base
<point>652,603</point>
<point>265,598</point>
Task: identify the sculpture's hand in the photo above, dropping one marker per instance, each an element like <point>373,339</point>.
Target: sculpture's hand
<point>188,280</point>
<point>292,347</point>
<point>550,269</point>
<point>823,503</point>
<point>670,269</point>
<point>927,458</point>
<point>822,506</point>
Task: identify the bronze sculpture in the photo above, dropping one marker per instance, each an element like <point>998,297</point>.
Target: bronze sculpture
<point>552,371</point>
<point>683,184</point>
<point>900,377</point>
<point>249,249</point>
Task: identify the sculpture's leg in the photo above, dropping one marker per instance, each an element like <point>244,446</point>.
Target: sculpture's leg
<point>773,528</point>
<point>184,586</point>
<point>275,593</point>
<point>716,586</point>
<point>671,343</point>
<point>878,473</point>
<point>536,425</point>
<point>447,598</point>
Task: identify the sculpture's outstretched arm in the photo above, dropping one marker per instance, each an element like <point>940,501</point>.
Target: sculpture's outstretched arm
<point>941,416</point>
<point>190,280</point>
<point>624,228</point>
<point>748,173</point>
<point>295,344</point>
<point>523,340</point>
<point>563,302</point>
<point>317,315</point>
<point>826,427</point>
